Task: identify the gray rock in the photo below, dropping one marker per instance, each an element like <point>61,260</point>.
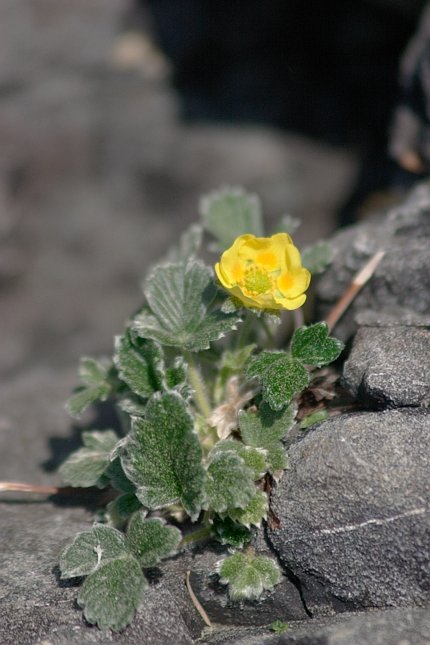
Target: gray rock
<point>383,627</point>
<point>354,512</point>
<point>401,282</point>
<point>36,608</point>
<point>283,602</point>
<point>389,366</point>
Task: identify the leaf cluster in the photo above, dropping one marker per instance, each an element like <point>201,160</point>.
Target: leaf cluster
<point>112,564</point>
<point>284,374</point>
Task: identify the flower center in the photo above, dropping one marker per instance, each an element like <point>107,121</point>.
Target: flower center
<point>257,281</point>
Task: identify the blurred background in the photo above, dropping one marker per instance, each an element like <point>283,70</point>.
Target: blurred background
<point>116,115</point>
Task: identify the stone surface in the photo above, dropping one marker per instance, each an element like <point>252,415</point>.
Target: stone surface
<point>281,602</point>
<point>354,512</point>
<point>37,608</point>
<point>98,177</point>
<point>400,287</point>
<point>383,627</point>
<point>389,366</point>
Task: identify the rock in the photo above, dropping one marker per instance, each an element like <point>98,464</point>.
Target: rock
<point>282,602</point>
<point>401,282</point>
<point>389,366</point>
<point>383,627</point>
<point>36,608</point>
<point>354,512</point>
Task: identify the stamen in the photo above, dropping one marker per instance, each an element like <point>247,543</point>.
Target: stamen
<point>257,281</point>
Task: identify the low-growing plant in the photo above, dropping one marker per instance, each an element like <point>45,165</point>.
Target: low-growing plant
<point>206,390</point>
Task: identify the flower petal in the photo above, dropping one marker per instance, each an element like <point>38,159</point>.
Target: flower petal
<point>291,303</point>
<point>293,284</point>
<point>292,257</point>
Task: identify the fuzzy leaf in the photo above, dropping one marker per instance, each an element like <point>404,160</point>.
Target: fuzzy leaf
<point>231,212</point>
<point>94,371</point>
<point>248,575</point>
<point>281,377</point>
<point>188,245</point>
<point>117,477</point>
<point>163,456</point>
<point>267,428</point>
<point>133,405</point>
<point>312,419</point>
<point>254,458</point>
<point>317,257</point>
<point>176,378</point>
<point>229,532</point>
<point>84,396</point>
<point>140,365</point>
<point>94,376</point>
<point>313,346</point>
<point>90,549</point>
<point>254,512</point>
<point>278,626</point>
<point>288,224</point>
<point>85,466</point>
<point>120,509</point>
<point>277,458</point>
<point>151,540</point>
<point>179,297</point>
<point>229,482</point>
<point>111,595</point>
<point>257,365</point>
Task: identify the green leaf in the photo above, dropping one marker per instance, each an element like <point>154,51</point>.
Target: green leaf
<point>233,361</point>
<point>94,371</point>
<point>133,405</point>
<point>91,549</point>
<point>118,478</point>
<point>254,458</point>
<point>277,458</point>
<point>120,509</point>
<point>111,595</point>
<point>317,257</point>
<point>267,428</point>
<point>229,482</point>
<point>163,456</point>
<point>288,224</point>
<point>84,397</point>
<point>189,245</point>
<point>229,532</point>
<point>231,212</point>
<point>313,346</point>
<point>281,377</point>
<point>278,626</point>
<point>85,466</point>
<point>254,512</point>
<point>259,364</point>
<point>140,365</point>
<point>151,540</point>
<point>248,575</point>
<point>231,305</point>
<point>177,378</point>
<point>312,419</point>
<point>179,297</point>
<point>96,387</point>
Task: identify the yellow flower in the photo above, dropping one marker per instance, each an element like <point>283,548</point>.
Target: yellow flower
<point>264,272</point>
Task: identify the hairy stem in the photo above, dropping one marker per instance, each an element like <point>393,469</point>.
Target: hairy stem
<point>196,536</point>
<point>269,332</point>
<point>244,329</point>
<point>201,398</point>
